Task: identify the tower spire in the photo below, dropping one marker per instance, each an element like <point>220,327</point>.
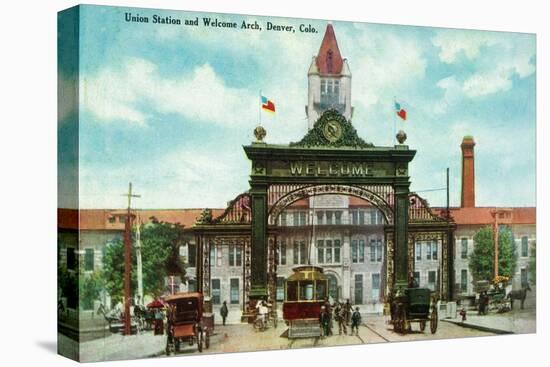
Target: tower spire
<point>329,59</point>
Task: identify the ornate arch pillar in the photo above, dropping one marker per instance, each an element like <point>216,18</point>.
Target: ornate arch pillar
<point>259,242</point>
<point>401,238</point>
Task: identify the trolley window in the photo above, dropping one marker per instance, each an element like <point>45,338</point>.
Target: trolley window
<point>291,291</point>
<point>306,290</point>
<point>321,290</point>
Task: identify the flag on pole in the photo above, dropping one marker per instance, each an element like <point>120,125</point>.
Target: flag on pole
<point>267,104</point>
<point>400,111</point>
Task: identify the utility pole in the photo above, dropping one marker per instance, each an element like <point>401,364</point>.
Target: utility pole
<point>128,262</point>
<point>138,260</point>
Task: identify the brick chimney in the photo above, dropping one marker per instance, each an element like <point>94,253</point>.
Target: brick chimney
<point>468,198</point>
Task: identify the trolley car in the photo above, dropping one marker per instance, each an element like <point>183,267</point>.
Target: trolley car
<point>305,292</point>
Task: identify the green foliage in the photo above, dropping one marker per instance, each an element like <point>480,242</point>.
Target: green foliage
<point>160,244</point>
<point>67,285</point>
<point>315,137</point>
<point>481,261</point>
<point>90,287</point>
<point>507,256</point>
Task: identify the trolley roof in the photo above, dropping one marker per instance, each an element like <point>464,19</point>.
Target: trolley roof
<point>307,273</point>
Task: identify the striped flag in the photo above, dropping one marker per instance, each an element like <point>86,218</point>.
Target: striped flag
<point>400,111</point>
<point>267,104</point>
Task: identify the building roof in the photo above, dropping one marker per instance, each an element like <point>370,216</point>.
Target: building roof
<point>329,59</point>
<point>484,215</point>
<point>102,219</point>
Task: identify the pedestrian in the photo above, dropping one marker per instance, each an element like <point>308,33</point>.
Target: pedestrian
<point>224,311</point>
<point>463,314</point>
<point>355,321</point>
<point>324,322</point>
<point>340,317</point>
<point>328,310</point>
<point>347,309</point>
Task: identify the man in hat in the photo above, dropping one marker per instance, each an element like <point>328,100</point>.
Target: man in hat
<point>224,312</point>
<point>355,321</point>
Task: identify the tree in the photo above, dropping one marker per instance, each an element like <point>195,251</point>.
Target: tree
<point>481,261</point>
<point>90,287</point>
<point>160,242</point>
<point>67,285</point>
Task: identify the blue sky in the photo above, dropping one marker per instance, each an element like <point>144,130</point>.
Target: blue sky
<point>169,107</point>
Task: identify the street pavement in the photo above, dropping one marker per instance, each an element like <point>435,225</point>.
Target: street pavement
<point>244,338</point>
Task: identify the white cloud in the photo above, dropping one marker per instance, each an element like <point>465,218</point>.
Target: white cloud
<point>452,43</point>
<point>182,178</point>
<point>481,84</point>
<point>129,92</point>
<point>382,63</point>
<point>495,57</point>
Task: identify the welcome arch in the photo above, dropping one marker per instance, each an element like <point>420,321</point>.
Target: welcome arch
<point>321,165</point>
<point>329,158</point>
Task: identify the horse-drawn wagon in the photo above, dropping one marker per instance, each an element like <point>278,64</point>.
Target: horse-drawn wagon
<point>185,323</point>
<point>413,305</point>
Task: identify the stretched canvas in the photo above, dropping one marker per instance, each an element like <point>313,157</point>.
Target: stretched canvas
<point>232,183</point>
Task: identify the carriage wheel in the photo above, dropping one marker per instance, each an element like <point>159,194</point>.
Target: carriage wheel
<point>403,320</point>
<point>396,324</point>
<point>433,321</point>
<point>395,318</point>
<point>199,340</point>
<point>422,325</point>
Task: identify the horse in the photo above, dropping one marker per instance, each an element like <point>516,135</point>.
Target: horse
<point>519,295</point>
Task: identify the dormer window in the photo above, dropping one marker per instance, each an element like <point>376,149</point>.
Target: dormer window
<point>329,61</point>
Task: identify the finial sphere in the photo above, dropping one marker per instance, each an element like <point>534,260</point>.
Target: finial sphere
<point>401,136</point>
<point>259,133</point>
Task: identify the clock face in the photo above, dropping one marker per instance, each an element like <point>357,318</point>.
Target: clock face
<point>332,131</point>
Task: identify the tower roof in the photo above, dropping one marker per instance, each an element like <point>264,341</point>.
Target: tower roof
<point>329,59</point>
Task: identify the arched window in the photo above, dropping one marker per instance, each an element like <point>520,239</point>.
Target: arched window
<point>332,286</point>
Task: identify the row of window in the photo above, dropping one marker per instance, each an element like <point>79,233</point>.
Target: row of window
<point>432,279</point>
<point>234,254</point>
<point>333,217</point>
<point>330,91</point>
<point>329,251</point>
<point>234,291</point>
<point>429,249</point>
<point>524,247</point>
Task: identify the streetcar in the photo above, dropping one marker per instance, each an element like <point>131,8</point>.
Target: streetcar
<point>306,290</point>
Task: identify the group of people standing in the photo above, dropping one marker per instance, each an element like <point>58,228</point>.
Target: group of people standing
<point>342,313</point>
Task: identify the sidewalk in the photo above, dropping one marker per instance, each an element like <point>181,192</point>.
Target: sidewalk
<point>513,322</point>
<point>117,347</point>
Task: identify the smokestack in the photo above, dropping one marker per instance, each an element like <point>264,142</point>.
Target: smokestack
<point>468,199</point>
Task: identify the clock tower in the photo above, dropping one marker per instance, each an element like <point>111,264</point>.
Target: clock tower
<point>329,81</point>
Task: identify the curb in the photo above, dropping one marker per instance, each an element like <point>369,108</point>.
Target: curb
<point>479,327</point>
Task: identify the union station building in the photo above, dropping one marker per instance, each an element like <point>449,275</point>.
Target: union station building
<point>348,216</point>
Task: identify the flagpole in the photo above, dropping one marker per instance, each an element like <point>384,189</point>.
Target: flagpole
<point>260,108</point>
<point>394,118</point>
